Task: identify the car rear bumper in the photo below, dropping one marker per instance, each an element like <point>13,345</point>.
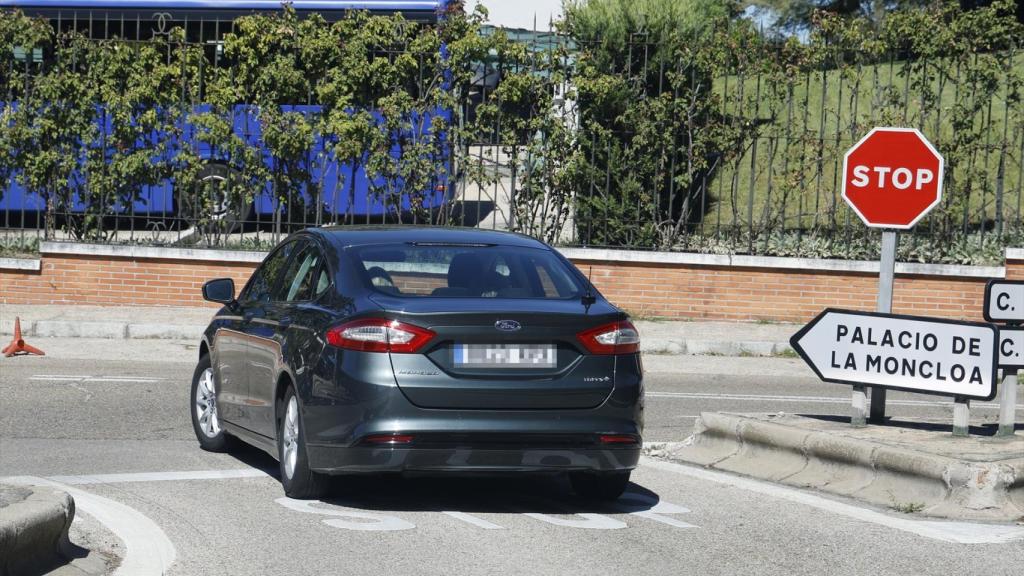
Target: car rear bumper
<point>342,417</point>
<point>354,460</point>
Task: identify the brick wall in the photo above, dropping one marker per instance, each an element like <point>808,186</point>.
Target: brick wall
<point>82,279</point>
<point>669,290</point>
<point>736,293</point>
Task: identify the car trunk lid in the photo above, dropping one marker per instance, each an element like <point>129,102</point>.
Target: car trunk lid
<point>506,358</point>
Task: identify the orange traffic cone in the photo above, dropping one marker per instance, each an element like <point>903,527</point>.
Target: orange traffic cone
<point>18,346</point>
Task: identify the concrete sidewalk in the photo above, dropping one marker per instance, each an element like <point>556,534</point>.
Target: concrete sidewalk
<point>126,322</point>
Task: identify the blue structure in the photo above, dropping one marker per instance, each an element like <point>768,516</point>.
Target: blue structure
<point>206,21</point>
<point>238,5</point>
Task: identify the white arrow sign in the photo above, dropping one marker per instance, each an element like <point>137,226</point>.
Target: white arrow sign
<point>902,352</point>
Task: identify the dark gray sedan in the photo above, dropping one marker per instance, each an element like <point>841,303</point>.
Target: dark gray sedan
<point>421,350</point>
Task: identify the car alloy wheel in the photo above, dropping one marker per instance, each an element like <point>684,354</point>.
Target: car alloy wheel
<point>290,437</point>
<point>206,422</point>
<point>206,404</point>
<point>298,480</point>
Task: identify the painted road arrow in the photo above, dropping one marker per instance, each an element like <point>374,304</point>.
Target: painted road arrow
<point>911,353</point>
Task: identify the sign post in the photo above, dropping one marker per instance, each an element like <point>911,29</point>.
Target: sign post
<point>892,177</point>
<point>886,276</point>
<point>1004,302</point>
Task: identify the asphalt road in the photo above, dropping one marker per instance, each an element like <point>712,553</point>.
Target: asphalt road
<point>109,420</point>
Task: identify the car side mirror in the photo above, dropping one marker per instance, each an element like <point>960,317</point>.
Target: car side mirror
<point>220,290</point>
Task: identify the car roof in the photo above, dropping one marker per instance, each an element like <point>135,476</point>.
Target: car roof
<point>346,236</point>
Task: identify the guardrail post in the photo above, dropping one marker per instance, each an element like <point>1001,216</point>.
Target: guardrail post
<point>961,416</point>
<point>1007,403</point>
<point>859,406</point>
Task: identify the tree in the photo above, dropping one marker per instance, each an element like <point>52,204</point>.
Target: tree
<point>20,39</point>
<point>651,130</point>
<point>269,77</point>
<point>616,24</point>
<point>975,4</point>
<point>798,15</point>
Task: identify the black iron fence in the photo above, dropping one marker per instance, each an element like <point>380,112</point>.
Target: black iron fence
<point>220,132</point>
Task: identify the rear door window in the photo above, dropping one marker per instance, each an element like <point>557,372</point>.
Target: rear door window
<point>465,271</point>
<point>303,276</point>
<point>266,277</point>
<point>323,281</point>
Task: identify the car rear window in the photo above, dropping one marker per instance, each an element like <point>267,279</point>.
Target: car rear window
<point>465,271</point>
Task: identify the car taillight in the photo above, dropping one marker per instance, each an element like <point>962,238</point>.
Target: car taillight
<point>379,335</point>
<point>615,338</point>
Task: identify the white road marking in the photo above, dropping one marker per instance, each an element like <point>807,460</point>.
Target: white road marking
<point>148,551</point>
<point>810,399</point>
<point>946,531</point>
<point>639,505</point>
<point>587,521</point>
<point>469,518</point>
<point>160,476</point>
<point>650,507</point>
<point>148,538</point>
<point>371,522</point>
<point>75,385</point>
<point>86,378</point>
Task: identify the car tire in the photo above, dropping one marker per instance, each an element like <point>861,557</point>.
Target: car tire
<point>604,487</point>
<point>296,477</point>
<point>203,405</point>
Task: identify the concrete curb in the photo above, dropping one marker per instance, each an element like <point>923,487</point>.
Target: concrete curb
<point>158,331</point>
<point>34,523</point>
<point>879,473</point>
<point>698,347</point>
<point>107,330</point>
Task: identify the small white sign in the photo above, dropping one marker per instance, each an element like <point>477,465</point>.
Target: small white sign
<point>1011,347</point>
<point>902,352</point>
<point>1004,301</point>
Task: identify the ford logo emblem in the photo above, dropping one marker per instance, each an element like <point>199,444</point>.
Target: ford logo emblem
<point>508,325</point>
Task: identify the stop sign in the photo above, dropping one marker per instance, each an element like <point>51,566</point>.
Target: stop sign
<point>892,177</point>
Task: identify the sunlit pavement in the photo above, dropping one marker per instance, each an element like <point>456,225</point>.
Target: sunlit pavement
<point>115,431</point>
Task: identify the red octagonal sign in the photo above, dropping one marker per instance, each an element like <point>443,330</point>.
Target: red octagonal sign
<point>892,177</point>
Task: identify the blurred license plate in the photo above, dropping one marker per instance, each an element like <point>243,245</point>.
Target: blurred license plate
<point>506,355</point>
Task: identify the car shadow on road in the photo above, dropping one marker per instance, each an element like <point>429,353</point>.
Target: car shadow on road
<point>531,493</point>
<point>541,494</point>
<point>253,457</point>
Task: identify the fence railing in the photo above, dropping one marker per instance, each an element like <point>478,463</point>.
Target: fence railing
<point>726,141</point>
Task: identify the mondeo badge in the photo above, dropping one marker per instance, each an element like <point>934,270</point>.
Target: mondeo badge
<point>508,325</point>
